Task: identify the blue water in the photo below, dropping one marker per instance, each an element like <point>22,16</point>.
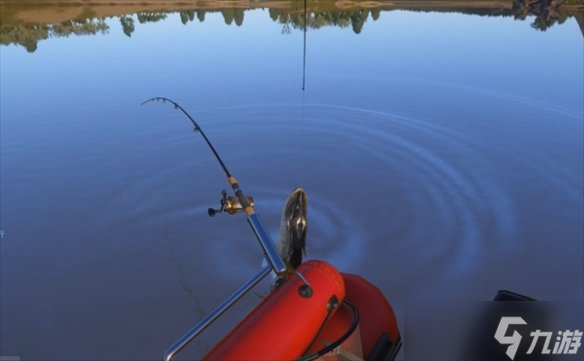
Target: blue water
<point>442,155</point>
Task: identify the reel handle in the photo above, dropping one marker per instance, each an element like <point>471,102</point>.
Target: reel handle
<point>230,204</point>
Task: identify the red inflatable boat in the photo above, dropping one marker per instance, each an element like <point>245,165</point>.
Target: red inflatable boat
<point>327,316</point>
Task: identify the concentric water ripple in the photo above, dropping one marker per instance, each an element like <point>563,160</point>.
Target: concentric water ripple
<point>386,192</point>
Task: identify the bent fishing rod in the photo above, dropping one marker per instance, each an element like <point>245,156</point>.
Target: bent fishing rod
<point>240,202</point>
<point>230,204</point>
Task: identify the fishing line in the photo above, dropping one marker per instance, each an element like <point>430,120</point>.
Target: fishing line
<point>304,53</point>
<point>303,84</point>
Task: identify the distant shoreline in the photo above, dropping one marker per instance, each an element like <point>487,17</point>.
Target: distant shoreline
<point>56,11</point>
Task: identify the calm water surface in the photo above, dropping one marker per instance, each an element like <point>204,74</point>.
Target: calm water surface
<point>442,154</point>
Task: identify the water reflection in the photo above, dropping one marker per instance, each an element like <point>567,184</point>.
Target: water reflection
<point>26,25</point>
<point>441,154</point>
<point>28,35</point>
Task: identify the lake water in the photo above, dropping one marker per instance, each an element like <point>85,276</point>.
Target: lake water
<point>442,153</point>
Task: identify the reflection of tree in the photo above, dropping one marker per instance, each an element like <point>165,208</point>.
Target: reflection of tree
<point>79,27</point>
<point>274,14</point>
<point>201,15</point>
<point>358,19</point>
<point>151,16</point>
<point>233,14</point>
<point>228,15</point>
<point>315,20</point>
<point>29,35</point>
<point>189,15</point>
<point>186,16</point>
<point>127,25</point>
<point>238,16</point>
<point>541,23</point>
<point>547,12</point>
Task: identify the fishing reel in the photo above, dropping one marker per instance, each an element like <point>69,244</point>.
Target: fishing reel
<point>229,204</point>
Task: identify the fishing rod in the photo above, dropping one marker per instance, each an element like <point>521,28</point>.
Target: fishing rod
<point>230,204</point>
<point>239,203</point>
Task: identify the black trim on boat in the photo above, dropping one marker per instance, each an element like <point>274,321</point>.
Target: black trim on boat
<point>385,349</point>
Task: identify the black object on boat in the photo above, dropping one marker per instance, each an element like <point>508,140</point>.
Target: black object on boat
<point>504,295</point>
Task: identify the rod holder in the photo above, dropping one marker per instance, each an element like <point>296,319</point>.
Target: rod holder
<point>272,255</point>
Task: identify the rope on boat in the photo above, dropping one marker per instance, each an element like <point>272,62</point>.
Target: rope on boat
<point>339,341</point>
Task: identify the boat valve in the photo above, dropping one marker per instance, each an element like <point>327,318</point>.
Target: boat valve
<point>229,204</point>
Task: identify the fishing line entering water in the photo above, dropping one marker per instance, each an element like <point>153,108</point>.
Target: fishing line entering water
<point>303,91</point>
